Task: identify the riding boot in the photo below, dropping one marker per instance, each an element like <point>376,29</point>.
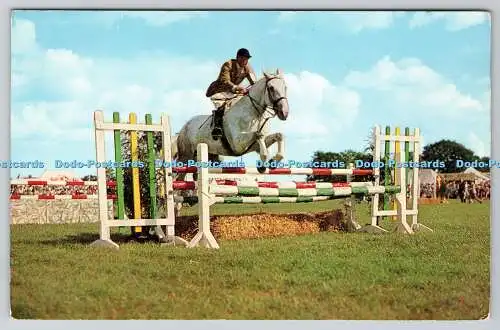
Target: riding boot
<point>218,121</point>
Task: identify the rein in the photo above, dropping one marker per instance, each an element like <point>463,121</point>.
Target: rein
<point>261,109</point>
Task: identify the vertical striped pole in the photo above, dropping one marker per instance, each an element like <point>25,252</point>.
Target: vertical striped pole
<point>397,158</point>
<point>402,210</point>
<point>120,195</point>
<point>152,172</point>
<point>162,187</point>
<point>388,170</point>
<point>416,187</point>
<point>376,172</point>
<point>416,182</point>
<point>135,171</point>
<point>409,172</point>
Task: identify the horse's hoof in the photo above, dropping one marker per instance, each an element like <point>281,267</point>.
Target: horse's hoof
<point>261,169</point>
<point>166,241</point>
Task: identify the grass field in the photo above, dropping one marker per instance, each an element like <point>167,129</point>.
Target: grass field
<point>440,275</point>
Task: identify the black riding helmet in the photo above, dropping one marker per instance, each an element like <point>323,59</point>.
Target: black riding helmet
<point>243,52</point>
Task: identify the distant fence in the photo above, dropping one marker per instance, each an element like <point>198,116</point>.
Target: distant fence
<point>35,201</point>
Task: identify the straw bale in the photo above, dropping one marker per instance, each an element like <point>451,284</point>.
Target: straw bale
<point>259,225</point>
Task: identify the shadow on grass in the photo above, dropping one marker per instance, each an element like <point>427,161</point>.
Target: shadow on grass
<point>87,238</point>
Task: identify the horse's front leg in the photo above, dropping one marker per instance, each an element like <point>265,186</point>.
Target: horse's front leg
<point>278,138</point>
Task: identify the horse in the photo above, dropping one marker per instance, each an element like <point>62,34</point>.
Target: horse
<point>245,125</point>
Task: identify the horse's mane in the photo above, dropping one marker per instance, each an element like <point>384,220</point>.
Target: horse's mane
<point>271,74</point>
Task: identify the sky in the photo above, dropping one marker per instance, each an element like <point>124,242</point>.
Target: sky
<point>345,72</point>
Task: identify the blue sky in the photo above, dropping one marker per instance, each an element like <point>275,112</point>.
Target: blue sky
<point>345,71</point>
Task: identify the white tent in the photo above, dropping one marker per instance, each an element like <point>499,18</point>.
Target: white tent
<point>479,175</point>
<point>59,175</point>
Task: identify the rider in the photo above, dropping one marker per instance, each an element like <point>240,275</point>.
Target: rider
<point>232,73</point>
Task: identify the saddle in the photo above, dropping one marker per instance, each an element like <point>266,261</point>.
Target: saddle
<point>218,116</point>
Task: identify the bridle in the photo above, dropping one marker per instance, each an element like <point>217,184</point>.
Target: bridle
<point>264,108</point>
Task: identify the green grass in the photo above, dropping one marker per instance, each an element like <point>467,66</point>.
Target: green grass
<point>440,275</point>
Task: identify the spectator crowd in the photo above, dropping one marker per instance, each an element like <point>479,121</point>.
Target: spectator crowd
<point>466,191</point>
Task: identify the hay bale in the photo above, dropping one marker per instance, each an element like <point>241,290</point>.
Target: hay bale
<point>258,225</point>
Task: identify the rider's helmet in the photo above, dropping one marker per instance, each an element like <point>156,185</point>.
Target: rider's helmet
<point>243,52</point>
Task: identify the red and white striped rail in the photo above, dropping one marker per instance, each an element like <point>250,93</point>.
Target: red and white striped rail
<point>192,185</point>
<point>36,182</point>
<point>278,171</point>
<point>292,184</point>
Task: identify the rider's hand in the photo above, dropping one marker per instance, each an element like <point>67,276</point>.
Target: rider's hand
<point>240,90</point>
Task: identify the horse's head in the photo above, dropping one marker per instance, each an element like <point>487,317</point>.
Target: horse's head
<point>275,94</point>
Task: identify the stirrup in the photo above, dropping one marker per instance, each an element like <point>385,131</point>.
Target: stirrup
<point>216,133</point>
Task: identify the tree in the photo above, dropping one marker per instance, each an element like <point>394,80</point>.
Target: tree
<point>449,152</point>
<point>486,160</point>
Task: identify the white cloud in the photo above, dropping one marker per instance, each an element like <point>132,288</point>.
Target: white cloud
<point>355,21</point>
<point>67,72</point>
<point>319,111</point>
<point>187,103</point>
<point>485,81</point>
<point>414,94</point>
<point>162,18</point>
<point>477,145</point>
<point>412,83</point>
<point>59,71</point>
<point>127,97</point>
<point>51,121</point>
<point>152,18</point>
<point>486,99</point>
<point>454,21</point>
<point>358,21</point>
<point>23,37</point>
